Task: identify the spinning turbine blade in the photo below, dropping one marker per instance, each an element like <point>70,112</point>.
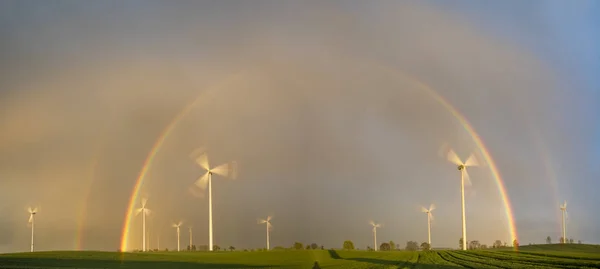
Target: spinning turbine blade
<point>30,218</point>
<point>202,160</point>
<point>222,170</point>
<point>424,210</point>
<point>452,157</point>
<point>144,201</point>
<point>138,211</point>
<point>467,178</point>
<point>261,221</point>
<point>269,218</point>
<point>472,161</point>
<point>431,207</point>
<point>202,182</point>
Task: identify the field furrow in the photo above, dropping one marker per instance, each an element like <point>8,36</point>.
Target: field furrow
<point>505,262</point>
<point>549,261</point>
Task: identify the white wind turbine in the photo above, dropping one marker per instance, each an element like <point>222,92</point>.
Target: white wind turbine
<point>268,222</point>
<point>191,244</point>
<point>225,170</point>
<point>429,219</point>
<point>145,211</point>
<point>563,208</point>
<point>464,177</point>
<point>375,226</point>
<point>32,212</point>
<point>177,226</point>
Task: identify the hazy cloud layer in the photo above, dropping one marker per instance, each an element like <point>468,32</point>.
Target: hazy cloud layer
<point>310,99</point>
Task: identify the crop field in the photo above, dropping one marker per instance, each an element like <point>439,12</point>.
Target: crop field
<point>536,256</point>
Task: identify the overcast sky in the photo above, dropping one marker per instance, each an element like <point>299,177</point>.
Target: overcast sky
<point>312,101</point>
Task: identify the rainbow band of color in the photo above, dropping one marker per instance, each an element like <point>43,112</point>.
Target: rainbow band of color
<point>461,118</point>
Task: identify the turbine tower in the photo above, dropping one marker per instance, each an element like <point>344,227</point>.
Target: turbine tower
<point>32,212</point>
<point>429,219</point>
<point>563,208</point>
<point>190,238</point>
<point>145,211</point>
<point>464,177</point>
<point>375,226</point>
<point>177,226</point>
<point>224,170</point>
<point>268,222</point>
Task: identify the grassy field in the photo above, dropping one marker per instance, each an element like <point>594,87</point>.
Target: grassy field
<point>536,256</point>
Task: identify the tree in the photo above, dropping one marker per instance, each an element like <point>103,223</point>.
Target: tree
<point>460,243</point>
<point>314,246</point>
<point>397,246</point>
<point>231,248</point>
<point>497,244</point>
<point>322,247</point>
<point>385,247</point>
<point>484,246</point>
<point>562,240</point>
<point>348,245</point>
<point>392,245</point>
<point>515,243</point>
<point>579,242</point>
<point>216,248</point>
<point>425,246</point>
<point>548,240</point>
<point>307,247</point>
<point>369,248</point>
<point>571,241</point>
<point>298,245</point>
<point>412,245</point>
<point>474,244</point>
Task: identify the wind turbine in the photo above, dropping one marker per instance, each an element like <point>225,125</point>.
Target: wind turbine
<point>145,211</point>
<point>464,177</point>
<point>563,208</point>
<point>32,212</point>
<point>190,238</point>
<point>268,222</point>
<point>375,226</point>
<point>429,219</point>
<point>177,226</point>
<point>224,170</point>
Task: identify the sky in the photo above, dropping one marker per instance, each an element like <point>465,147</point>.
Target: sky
<point>319,104</point>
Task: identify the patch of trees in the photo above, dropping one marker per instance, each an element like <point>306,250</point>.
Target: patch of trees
<point>348,245</point>
<point>385,247</point>
<point>412,246</point>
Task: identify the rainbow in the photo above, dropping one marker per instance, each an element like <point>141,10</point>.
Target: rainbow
<point>446,104</point>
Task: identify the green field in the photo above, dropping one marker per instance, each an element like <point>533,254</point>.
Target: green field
<point>536,256</point>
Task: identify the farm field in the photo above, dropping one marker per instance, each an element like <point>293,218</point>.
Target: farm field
<point>536,256</point>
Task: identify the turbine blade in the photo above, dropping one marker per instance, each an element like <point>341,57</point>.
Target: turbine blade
<point>372,223</point>
<point>30,210</point>
<point>138,211</point>
<point>195,192</point>
<point>30,218</point>
<point>431,207</point>
<point>452,157</point>
<point>472,161</point>
<point>222,170</point>
<point>202,160</point>
<point>431,216</point>
<point>269,218</point>
<point>148,212</point>
<point>202,182</point>
<point>144,201</point>
<point>424,210</point>
<point>467,178</point>
<point>261,221</point>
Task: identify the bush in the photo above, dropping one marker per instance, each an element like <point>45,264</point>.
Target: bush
<point>348,245</point>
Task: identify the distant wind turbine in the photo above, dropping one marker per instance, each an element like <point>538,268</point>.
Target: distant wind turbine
<point>224,170</point>
<point>177,226</point>
<point>190,237</point>
<point>375,226</point>
<point>464,177</point>
<point>32,212</point>
<point>145,211</point>
<point>268,222</point>
<point>429,219</point>
<point>563,208</point>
